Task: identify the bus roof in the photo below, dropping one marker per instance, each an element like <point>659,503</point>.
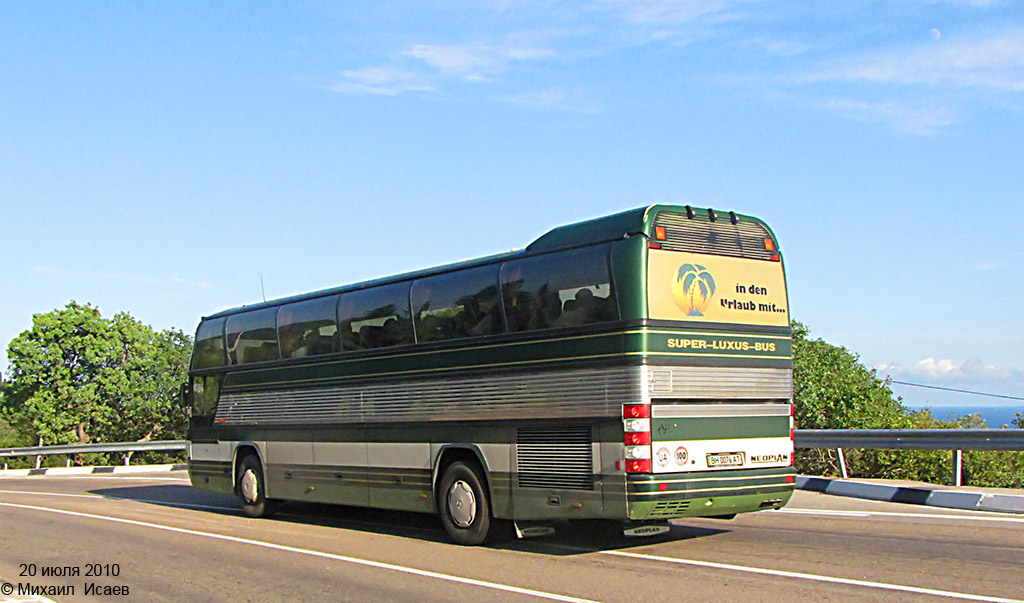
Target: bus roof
<point>579,234</point>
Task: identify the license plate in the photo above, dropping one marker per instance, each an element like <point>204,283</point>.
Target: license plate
<point>732,459</point>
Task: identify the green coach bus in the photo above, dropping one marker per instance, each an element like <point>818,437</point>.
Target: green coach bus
<point>632,368</point>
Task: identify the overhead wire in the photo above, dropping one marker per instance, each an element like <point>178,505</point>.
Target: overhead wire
<point>959,391</point>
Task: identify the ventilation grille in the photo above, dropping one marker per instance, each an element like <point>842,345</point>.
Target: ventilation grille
<point>700,235</point>
<point>555,458</point>
<point>673,508</point>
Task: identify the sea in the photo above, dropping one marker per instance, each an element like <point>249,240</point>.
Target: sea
<point>994,416</point>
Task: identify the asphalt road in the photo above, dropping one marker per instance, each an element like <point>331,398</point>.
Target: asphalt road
<point>170,542</point>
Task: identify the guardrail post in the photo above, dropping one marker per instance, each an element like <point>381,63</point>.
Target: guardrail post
<point>958,467</point>
<point>127,457</point>
<point>842,463</point>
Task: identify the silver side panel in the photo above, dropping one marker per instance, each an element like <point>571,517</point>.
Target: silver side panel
<point>563,394</point>
<point>719,383</point>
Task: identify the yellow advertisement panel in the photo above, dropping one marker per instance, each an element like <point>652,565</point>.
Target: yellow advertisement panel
<point>712,288</point>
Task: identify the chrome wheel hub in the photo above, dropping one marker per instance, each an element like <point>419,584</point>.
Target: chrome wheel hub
<point>249,486</point>
<point>461,504</point>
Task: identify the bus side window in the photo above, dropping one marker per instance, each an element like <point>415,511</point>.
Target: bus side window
<point>374,318</point>
<point>457,304</point>
<point>209,349</point>
<point>205,393</point>
<point>252,336</point>
<point>563,289</point>
<point>308,328</point>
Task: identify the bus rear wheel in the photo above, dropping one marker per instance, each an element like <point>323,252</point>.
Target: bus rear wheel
<point>464,506</point>
<point>252,490</point>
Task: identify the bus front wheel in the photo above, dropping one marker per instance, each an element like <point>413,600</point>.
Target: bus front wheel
<point>252,488</point>
<point>462,501</point>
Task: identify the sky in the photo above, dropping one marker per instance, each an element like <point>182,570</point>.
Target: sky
<point>174,159</point>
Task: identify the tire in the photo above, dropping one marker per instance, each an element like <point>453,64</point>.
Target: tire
<point>252,488</point>
<point>464,506</point>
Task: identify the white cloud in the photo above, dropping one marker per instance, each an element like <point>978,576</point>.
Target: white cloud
<point>667,12</point>
<point>994,63</point>
<point>920,89</point>
<point>424,67</point>
<point>904,116</point>
<point>554,99</point>
<point>966,2</point>
<point>388,80</point>
<point>945,370</point>
<point>786,48</point>
<point>147,280</point>
<point>473,62</point>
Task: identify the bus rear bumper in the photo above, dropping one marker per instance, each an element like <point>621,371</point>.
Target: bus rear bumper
<point>707,494</point>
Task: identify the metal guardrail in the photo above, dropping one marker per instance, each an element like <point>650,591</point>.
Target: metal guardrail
<point>956,440</point>
<point>912,439</point>
<point>127,448</point>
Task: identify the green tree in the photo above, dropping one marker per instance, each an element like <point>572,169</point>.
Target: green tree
<point>77,377</point>
<point>833,390</point>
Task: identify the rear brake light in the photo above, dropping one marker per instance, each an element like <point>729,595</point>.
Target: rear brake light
<point>639,466</point>
<point>636,427</point>
<point>775,257</point>
<point>655,245</point>
<point>638,439</point>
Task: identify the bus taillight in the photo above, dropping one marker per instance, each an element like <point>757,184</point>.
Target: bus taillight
<point>638,438</point>
<point>636,423</point>
<point>639,466</point>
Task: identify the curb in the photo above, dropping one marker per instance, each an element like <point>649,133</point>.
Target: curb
<point>91,470</point>
<point>949,499</point>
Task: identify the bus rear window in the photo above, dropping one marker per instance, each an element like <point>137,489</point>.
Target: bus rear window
<point>375,318</point>
<point>721,236</point>
<point>209,349</point>
<point>252,336</point>
<point>565,289</point>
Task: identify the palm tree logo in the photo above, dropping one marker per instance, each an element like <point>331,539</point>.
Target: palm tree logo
<point>693,288</point>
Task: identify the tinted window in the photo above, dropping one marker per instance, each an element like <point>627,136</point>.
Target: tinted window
<point>457,304</point>
<point>564,289</point>
<point>308,328</point>
<point>252,336</point>
<point>374,318</point>
<point>209,350</point>
<point>205,392</point>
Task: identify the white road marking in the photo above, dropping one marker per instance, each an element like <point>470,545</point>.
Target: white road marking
<point>291,549</point>
<point>99,476</point>
<point>814,577</point>
<point>165,503</point>
<point>982,516</point>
